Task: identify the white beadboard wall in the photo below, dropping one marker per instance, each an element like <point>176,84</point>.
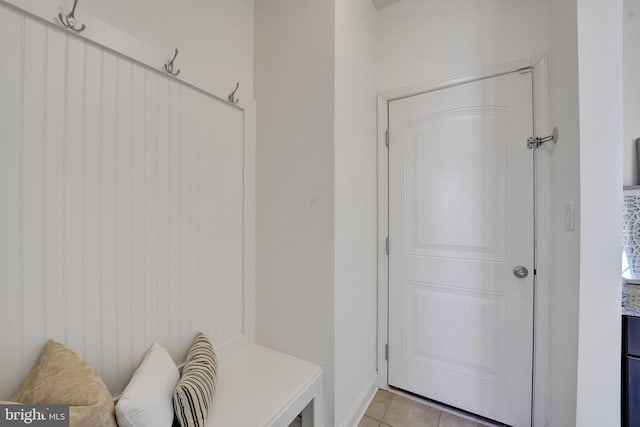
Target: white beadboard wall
<point>121,206</point>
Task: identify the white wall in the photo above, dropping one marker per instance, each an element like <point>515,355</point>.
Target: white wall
<point>586,104</point>
<point>423,40</point>
<point>631,58</point>
<point>565,186</point>
<point>600,80</point>
<point>294,87</point>
<point>317,256</point>
<point>215,35</point>
<point>355,207</point>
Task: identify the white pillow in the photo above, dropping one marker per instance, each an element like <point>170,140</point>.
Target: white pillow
<point>147,399</point>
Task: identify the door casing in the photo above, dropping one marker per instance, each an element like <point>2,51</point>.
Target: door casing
<point>542,217</point>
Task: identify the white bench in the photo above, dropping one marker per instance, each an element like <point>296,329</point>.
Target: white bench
<point>261,387</point>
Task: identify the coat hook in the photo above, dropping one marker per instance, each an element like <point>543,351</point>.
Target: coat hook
<point>69,21</point>
<point>168,67</point>
<point>232,97</point>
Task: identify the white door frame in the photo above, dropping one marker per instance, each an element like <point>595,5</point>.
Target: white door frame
<point>542,218</point>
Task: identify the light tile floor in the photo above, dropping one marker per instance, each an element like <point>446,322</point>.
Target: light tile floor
<point>393,410</point>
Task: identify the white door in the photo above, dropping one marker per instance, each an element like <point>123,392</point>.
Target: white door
<point>460,220</point>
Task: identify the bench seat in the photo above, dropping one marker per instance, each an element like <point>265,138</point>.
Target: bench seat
<point>261,387</point>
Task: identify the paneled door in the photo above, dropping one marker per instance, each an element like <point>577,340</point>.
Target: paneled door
<point>461,260</point>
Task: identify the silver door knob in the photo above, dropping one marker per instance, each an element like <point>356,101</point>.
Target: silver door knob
<point>520,271</point>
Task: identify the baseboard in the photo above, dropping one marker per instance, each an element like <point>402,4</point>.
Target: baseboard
<point>357,411</point>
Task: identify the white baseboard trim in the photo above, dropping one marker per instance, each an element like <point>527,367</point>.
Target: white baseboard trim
<point>357,411</point>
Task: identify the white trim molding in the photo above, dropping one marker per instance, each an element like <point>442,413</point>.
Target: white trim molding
<point>360,407</point>
<point>543,244</point>
<point>539,66</point>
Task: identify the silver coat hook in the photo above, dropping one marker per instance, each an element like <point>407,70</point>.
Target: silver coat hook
<point>232,97</point>
<point>69,21</point>
<point>168,67</point>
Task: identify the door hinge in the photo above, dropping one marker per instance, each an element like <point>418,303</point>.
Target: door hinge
<point>386,352</point>
<point>387,245</point>
<point>386,137</point>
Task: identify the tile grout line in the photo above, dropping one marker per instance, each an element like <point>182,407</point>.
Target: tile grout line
<point>443,409</point>
<point>386,410</point>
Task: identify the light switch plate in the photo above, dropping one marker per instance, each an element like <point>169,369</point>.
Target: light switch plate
<point>569,216</point>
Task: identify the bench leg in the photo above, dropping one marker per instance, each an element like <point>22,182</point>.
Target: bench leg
<point>313,414</point>
<point>307,416</point>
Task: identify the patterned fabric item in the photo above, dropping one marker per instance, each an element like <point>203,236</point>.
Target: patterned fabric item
<point>194,392</point>
<point>61,377</point>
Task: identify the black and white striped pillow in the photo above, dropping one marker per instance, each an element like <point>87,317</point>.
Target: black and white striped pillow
<point>194,392</point>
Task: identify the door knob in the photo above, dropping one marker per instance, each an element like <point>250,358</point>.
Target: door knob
<point>520,271</point>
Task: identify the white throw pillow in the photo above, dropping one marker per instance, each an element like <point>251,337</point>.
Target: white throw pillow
<point>147,399</point>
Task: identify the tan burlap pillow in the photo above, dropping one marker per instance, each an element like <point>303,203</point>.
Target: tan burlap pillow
<point>61,377</point>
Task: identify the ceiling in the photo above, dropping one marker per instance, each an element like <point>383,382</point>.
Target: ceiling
<point>384,3</point>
